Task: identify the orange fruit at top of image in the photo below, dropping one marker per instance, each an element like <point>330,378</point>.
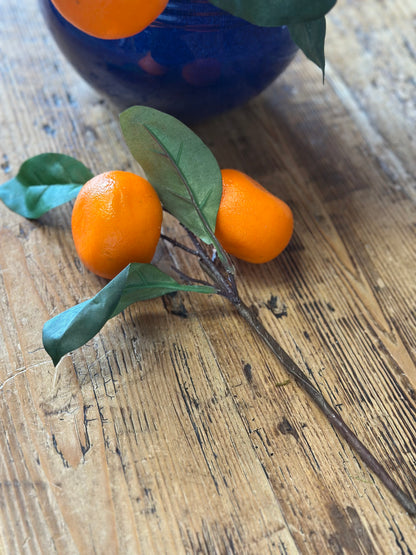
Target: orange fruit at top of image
<point>116,219</point>
<point>110,19</point>
<point>252,224</point>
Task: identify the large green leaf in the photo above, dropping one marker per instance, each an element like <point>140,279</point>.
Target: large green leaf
<point>77,325</point>
<point>273,13</point>
<point>179,165</point>
<point>310,37</point>
<point>44,182</point>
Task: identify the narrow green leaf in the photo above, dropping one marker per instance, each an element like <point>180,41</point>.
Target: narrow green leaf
<point>180,167</point>
<point>310,37</point>
<point>77,325</point>
<point>44,182</point>
<point>273,13</point>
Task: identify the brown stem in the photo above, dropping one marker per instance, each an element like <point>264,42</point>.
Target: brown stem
<point>227,287</point>
<point>189,279</point>
<point>334,418</point>
<point>176,243</point>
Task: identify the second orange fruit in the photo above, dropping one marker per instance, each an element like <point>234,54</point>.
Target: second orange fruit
<point>252,224</point>
<point>116,219</point>
<point>110,19</point>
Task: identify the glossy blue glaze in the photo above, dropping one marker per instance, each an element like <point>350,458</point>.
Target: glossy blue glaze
<point>194,61</point>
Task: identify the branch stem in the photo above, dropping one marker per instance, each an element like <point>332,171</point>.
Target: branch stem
<point>227,287</point>
<point>179,245</point>
<point>332,415</point>
<point>189,279</point>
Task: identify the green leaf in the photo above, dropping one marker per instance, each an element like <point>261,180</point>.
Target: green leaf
<point>180,167</point>
<point>77,325</point>
<point>44,182</point>
<point>273,13</point>
<point>310,37</point>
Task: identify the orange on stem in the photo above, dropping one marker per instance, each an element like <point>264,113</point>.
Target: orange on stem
<point>110,19</point>
<point>116,219</point>
<point>252,224</point>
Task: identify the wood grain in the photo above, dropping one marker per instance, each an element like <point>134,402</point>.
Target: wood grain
<point>173,433</point>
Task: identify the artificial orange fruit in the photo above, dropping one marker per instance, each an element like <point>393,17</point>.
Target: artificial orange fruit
<point>110,19</point>
<point>116,219</point>
<point>252,224</point>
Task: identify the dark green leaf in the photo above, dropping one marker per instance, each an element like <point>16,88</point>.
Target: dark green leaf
<point>137,282</point>
<point>273,13</point>
<point>44,182</point>
<point>180,167</point>
<point>310,37</point>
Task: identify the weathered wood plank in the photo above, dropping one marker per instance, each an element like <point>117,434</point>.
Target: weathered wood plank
<point>170,434</point>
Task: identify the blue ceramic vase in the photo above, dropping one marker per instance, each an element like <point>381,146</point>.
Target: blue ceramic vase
<point>194,61</point>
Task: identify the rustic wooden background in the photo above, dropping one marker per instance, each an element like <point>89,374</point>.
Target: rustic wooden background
<point>169,434</point>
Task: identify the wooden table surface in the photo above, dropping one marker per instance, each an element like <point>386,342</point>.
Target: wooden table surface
<point>169,434</point>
